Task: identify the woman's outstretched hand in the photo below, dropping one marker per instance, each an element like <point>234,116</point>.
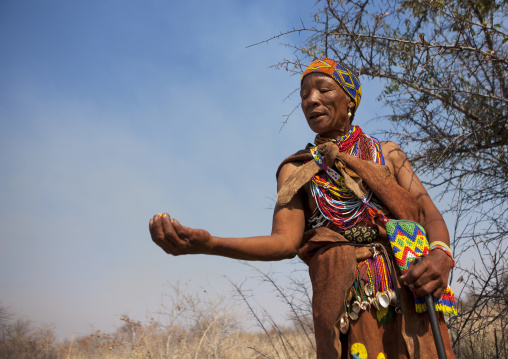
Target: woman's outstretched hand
<point>176,239</point>
<point>430,276</point>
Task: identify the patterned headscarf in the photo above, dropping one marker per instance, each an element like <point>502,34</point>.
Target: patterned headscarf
<point>340,73</point>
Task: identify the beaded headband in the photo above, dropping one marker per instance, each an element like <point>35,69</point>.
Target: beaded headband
<point>340,73</point>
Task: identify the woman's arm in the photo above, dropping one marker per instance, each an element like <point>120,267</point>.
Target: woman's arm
<point>287,230</point>
<point>431,275</point>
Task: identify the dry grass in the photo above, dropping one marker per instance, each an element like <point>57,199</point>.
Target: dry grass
<point>194,325</point>
<point>189,326</point>
<point>152,342</point>
<point>481,329</point>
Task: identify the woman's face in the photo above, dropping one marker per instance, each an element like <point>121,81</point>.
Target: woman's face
<point>325,105</point>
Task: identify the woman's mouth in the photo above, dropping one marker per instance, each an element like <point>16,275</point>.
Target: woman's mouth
<point>314,116</point>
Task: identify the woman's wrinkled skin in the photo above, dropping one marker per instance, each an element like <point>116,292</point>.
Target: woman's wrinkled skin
<point>325,106</point>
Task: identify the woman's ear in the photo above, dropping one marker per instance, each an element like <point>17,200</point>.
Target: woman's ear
<point>351,105</point>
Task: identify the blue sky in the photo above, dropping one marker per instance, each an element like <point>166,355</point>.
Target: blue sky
<point>112,111</point>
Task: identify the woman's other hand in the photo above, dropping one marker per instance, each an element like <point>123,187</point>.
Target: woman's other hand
<point>176,239</point>
<point>430,276</point>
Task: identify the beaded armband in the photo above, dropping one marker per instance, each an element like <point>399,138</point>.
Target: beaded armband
<point>444,247</point>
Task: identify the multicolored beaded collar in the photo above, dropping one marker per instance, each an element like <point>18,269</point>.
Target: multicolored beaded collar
<point>336,202</point>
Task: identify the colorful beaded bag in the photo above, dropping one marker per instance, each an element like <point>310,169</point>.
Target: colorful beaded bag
<point>409,241</point>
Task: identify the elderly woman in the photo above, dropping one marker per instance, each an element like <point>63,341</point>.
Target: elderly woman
<point>333,202</point>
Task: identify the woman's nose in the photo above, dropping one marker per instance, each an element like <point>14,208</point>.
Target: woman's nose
<point>313,97</point>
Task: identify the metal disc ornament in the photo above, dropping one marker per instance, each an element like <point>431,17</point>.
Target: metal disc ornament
<point>393,297</point>
<point>365,305</point>
<point>375,303</point>
<point>356,307</point>
<point>344,324</point>
<point>353,315</point>
<point>383,299</point>
<point>367,289</point>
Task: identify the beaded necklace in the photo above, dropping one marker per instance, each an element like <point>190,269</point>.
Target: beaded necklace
<point>337,203</point>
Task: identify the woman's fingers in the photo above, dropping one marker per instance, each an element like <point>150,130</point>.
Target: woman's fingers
<point>156,230</point>
<point>171,235</point>
<point>425,278</point>
<point>176,239</point>
<point>164,235</point>
<point>430,287</point>
<point>414,272</point>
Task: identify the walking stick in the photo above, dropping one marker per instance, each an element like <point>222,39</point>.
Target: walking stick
<point>438,339</point>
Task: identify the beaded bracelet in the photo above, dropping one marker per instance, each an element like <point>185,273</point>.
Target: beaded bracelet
<point>444,247</point>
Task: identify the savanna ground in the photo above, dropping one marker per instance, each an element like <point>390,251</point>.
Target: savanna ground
<point>195,325</point>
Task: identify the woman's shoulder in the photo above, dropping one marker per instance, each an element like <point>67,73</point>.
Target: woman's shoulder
<point>392,152</point>
<point>295,160</point>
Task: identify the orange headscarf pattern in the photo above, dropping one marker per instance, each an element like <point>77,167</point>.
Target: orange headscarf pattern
<point>343,75</point>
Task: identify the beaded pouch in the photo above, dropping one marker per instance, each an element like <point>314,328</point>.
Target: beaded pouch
<point>409,240</point>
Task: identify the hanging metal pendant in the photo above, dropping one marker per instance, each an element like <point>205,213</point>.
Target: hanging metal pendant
<point>344,324</point>
<point>365,305</point>
<point>353,315</point>
<point>383,299</point>
<point>356,307</point>
<point>393,297</point>
<point>367,289</point>
<point>374,302</point>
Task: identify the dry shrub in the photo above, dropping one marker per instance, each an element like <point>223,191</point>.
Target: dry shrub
<point>20,339</point>
<point>194,324</point>
<point>480,330</point>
